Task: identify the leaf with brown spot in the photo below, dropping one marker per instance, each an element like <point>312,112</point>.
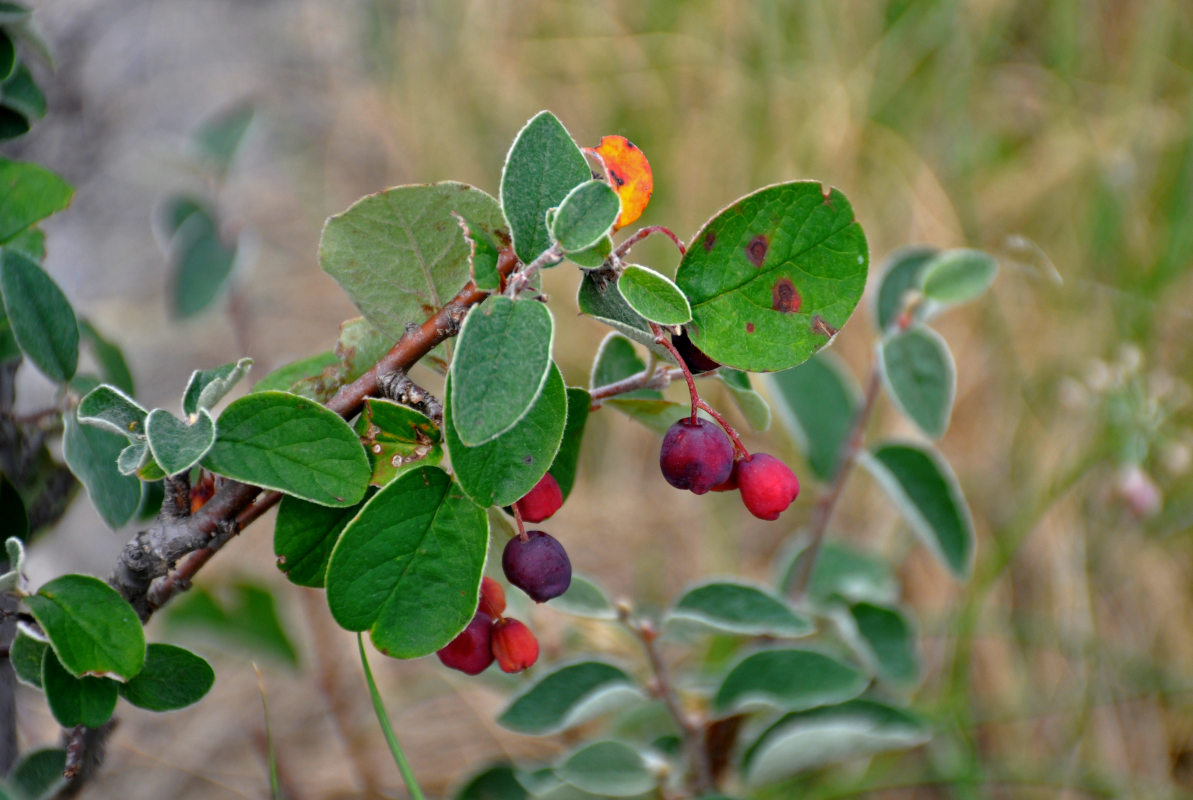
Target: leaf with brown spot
<point>629,175</point>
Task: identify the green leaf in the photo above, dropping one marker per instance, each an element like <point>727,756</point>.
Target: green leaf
<point>8,55</point>
<point>918,371</point>
<point>290,444</point>
<point>360,346</point>
<point>408,567</point>
<point>202,262</point>
<point>607,768</point>
<point>396,439</point>
<point>774,276</point>
<point>501,362</point>
<point>653,296</point>
<point>28,193</point>
<point>9,349</point>
<point>483,255</point>
<point>563,468</point>
<point>496,782</point>
<point>900,273</point>
<point>616,359</point>
<point>839,571</point>
<point>247,620</point>
<point>38,775</point>
<point>13,516</point>
<point>76,701</point>
<point>176,209</point>
<point>752,405</point>
<point>207,387</point>
<point>111,360</point>
<point>504,469</point>
<point>26,655</point>
<point>808,739</point>
<point>958,276</point>
<point>303,538</point>
<point>284,378</point>
<point>91,455</point>
<point>42,319</point>
<point>584,598</point>
<point>658,415</point>
<point>602,301</point>
<point>790,679</point>
<point>594,256</point>
<point>172,678</point>
<point>111,409</point>
<point>219,138</point>
<point>22,95</point>
<point>568,696</point>
<point>177,445</point>
<point>817,401</point>
<point>920,482</point>
<point>585,216</point>
<point>135,458</point>
<point>888,641</point>
<point>12,13</point>
<point>400,254</point>
<point>93,630</point>
<point>542,167</point>
<point>740,609</point>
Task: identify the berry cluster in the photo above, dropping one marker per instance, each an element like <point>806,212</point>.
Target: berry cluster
<point>536,563</point>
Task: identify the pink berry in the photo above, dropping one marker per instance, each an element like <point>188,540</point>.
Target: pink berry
<point>767,485</point>
<point>514,645</point>
<point>696,456</point>
<point>542,501</point>
<point>492,603</point>
<point>471,651</point>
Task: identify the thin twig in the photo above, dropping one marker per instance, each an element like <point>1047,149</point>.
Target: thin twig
<point>658,379</point>
<point>845,461</point>
<point>623,249</point>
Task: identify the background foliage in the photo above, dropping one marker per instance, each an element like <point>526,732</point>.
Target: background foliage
<point>1056,137</point>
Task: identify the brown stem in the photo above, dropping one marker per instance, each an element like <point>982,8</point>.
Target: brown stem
<point>845,461</point>
<point>740,448</point>
<point>701,777</point>
<point>521,523</point>
<point>659,379</point>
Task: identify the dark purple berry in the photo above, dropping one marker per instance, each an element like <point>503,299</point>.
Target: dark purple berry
<point>538,566</point>
<point>696,456</point>
<point>693,356</point>
<point>471,651</point>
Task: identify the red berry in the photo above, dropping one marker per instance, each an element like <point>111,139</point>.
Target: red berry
<point>514,645</point>
<point>542,501</point>
<point>693,356</point>
<point>492,602</point>
<point>696,457</point>
<point>538,566</point>
<point>471,651</point>
<point>767,485</point>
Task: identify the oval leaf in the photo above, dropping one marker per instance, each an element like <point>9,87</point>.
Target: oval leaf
<point>585,216</point>
<point>817,401</point>
<point>738,608</point>
<point>26,655</point>
<point>41,317</point>
<point>654,296</point>
<point>752,405</point>
<point>568,696</point>
<point>584,598</point>
<point>76,701</point>
<point>109,357</point>
<point>629,173</point>
<point>400,254</point>
<point>889,641</point>
<point>93,630</point>
<point>92,456</point>
<point>607,768</point>
<point>290,444</point>
<point>109,408</point>
<point>207,387</point>
<point>804,740</point>
<point>502,360</point>
<point>31,193</point>
<point>958,276</point>
<point>774,276</point>
<point>602,300</point>
<point>900,273</point>
<point>840,571</point>
<point>176,445</point>
<point>202,262</point>
<point>502,470</point>
<point>408,567</point>
<point>38,776</point>
<point>616,360</point>
<point>396,439</point>
<point>304,536</point>
<point>919,374</point>
<point>542,167</point>
<point>172,678</point>
<point>789,679</point>
<point>926,492</point>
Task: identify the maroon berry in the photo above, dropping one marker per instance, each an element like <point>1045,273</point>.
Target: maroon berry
<point>542,501</point>
<point>471,651</point>
<point>538,566</point>
<point>514,645</point>
<point>696,456</point>
<point>693,356</point>
<point>492,602</point>
<point>767,485</point>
